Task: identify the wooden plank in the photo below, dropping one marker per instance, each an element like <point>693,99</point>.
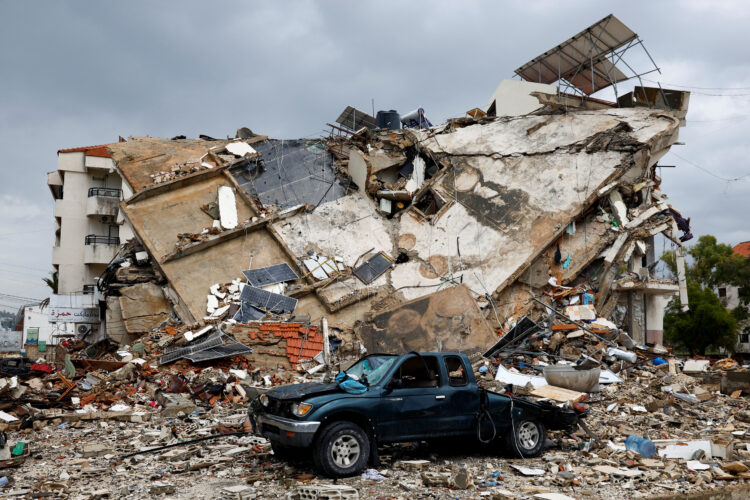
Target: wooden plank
<point>557,328</point>
<point>556,393</point>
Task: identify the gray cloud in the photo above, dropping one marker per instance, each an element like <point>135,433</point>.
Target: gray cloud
<point>79,73</point>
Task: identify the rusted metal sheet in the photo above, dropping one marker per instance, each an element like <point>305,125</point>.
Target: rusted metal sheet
<point>98,364</point>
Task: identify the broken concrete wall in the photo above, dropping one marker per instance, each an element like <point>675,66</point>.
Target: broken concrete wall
<point>142,307</point>
<point>158,221</point>
<point>447,320</point>
<point>114,322</point>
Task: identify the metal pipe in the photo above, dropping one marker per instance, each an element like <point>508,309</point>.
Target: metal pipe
<point>579,325</point>
<point>182,443</point>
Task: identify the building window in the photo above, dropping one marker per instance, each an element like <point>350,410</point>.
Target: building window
<point>722,292</point>
<point>744,338</point>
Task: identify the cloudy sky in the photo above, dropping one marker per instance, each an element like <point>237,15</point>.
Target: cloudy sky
<point>83,72</point>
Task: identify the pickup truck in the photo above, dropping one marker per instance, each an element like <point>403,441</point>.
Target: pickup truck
<point>15,366</point>
<point>385,398</point>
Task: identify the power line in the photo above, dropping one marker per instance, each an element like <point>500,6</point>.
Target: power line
<point>7,296</point>
<point>699,88</point>
<point>25,267</point>
<point>708,171</point>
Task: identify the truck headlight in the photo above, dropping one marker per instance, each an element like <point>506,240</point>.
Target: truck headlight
<point>263,400</point>
<point>301,409</point>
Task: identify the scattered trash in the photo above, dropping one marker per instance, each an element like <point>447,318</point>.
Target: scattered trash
<point>645,447</point>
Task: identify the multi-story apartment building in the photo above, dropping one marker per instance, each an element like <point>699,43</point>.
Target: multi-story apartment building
<point>89,225</point>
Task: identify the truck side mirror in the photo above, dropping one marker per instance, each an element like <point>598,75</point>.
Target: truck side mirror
<point>395,383</point>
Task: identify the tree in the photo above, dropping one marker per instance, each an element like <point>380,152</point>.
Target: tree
<point>716,264</point>
<point>708,324</point>
<point>51,281</point>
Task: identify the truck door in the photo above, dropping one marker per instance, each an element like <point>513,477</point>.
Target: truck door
<point>413,403</point>
<point>461,396</point>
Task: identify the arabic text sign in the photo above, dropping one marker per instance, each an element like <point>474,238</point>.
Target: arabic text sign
<point>74,315</point>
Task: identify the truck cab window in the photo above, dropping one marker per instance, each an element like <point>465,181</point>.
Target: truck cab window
<point>456,371</point>
<point>417,372</point>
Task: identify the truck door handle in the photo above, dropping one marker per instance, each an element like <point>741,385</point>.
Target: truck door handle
<point>439,397</point>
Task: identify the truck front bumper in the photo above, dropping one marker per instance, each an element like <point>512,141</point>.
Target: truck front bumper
<point>286,431</point>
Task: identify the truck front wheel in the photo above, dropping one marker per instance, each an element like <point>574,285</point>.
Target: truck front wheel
<point>526,438</point>
<point>342,450</point>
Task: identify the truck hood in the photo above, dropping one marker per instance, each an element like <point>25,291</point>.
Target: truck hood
<point>299,391</point>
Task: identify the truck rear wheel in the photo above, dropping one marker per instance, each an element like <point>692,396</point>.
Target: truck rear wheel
<point>342,450</point>
<point>526,438</point>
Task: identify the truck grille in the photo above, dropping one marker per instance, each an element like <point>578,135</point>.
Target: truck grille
<point>278,407</point>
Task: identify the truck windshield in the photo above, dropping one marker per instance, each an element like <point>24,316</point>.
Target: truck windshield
<point>371,369</point>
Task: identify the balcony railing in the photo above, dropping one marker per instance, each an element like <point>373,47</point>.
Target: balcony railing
<point>108,192</point>
<point>94,239</point>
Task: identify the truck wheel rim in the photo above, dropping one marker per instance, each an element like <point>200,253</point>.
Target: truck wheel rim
<point>345,451</point>
<point>528,435</point>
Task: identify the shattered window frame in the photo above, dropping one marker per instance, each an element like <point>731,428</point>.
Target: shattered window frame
<point>441,196</point>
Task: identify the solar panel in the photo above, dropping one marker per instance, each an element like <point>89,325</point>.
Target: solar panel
<point>246,313</point>
<point>355,119</point>
<point>223,351</point>
<point>175,353</point>
<point>270,275</point>
<point>582,59</point>
<point>267,301</point>
<point>373,268</point>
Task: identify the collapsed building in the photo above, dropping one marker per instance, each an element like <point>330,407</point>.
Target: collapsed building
<point>415,238</point>
<point>521,234</point>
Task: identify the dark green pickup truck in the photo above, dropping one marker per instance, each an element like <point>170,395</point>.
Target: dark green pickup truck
<point>387,398</point>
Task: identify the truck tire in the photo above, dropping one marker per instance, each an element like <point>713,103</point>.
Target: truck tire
<point>341,450</point>
<point>526,438</point>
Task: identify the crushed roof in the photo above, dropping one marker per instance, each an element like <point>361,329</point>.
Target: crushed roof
<point>743,248</point>
<point>99,150</point>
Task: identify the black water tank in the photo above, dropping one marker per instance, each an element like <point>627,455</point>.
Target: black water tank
<point>388,119</point>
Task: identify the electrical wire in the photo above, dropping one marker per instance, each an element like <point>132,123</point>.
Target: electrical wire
<point>709,172</point>
<point>9,264</point>
<point>698,88</point>
<point>7,296</point>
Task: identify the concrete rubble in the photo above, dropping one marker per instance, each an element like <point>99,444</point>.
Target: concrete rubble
<point>524,239</point>
<point>182,430</point>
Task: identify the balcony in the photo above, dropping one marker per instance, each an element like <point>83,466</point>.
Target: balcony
<point>100,249</point>
<point>94,239</point>
<point>103,202</point>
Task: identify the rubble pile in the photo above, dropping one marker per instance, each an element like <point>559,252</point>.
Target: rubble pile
<point>183,429</point>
